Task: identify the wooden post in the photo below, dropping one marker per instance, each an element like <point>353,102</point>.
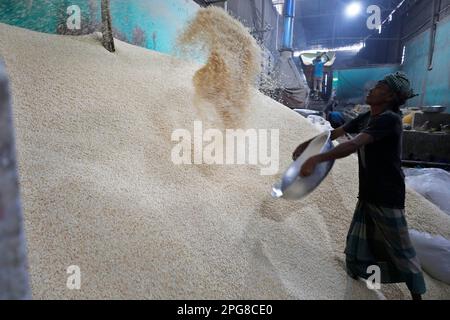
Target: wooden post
<point>435,7</point>
<point>13,253</point>
<point>108,40</point>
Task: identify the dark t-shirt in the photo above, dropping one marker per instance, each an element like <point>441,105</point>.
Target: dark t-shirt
<point>381,179</point>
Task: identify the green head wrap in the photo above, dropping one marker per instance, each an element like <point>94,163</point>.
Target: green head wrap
<point>399,83</point>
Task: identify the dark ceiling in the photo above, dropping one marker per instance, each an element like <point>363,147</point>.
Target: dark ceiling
<point>324,22</point>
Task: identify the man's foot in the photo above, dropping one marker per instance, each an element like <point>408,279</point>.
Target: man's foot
<point>416,296</point>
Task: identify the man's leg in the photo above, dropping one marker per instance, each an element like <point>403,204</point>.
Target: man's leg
<point>393,245</point>
<point>356,249</point>
<point>317,86</point>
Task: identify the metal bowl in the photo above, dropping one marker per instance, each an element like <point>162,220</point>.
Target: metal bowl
<point>307,112</point>
<point>433,109</point>
<point>294,187</point>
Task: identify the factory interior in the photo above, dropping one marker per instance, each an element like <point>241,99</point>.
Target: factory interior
<point>225,150</point>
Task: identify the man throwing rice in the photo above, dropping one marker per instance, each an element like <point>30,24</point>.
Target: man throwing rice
<point>378,233</point>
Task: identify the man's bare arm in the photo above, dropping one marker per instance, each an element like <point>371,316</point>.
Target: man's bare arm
<point>346,148</point>
<point>341,151</point>
<point>334,135</point>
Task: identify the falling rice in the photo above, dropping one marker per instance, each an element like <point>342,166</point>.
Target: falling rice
<point>224,83</point>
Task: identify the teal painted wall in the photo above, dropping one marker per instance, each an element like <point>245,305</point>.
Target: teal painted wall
<point>38,15</point>
<point>160,20</point>
<point>433,86</point>
<point>153,24</point>
<point>353,83</point>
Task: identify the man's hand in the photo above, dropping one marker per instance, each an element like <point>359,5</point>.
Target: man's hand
<point>299,150</point>
<point>342,150</point>
<point>309,166</point>
<point>336,133</point>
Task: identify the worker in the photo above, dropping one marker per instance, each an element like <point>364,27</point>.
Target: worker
<point>335,118</point>
<point>378,234</point>
<point>318,74</point>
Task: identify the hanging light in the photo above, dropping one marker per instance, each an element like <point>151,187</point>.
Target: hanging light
<point>353,9</point>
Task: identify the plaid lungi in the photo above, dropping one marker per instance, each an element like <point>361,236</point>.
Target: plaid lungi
<point>379,236</point>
